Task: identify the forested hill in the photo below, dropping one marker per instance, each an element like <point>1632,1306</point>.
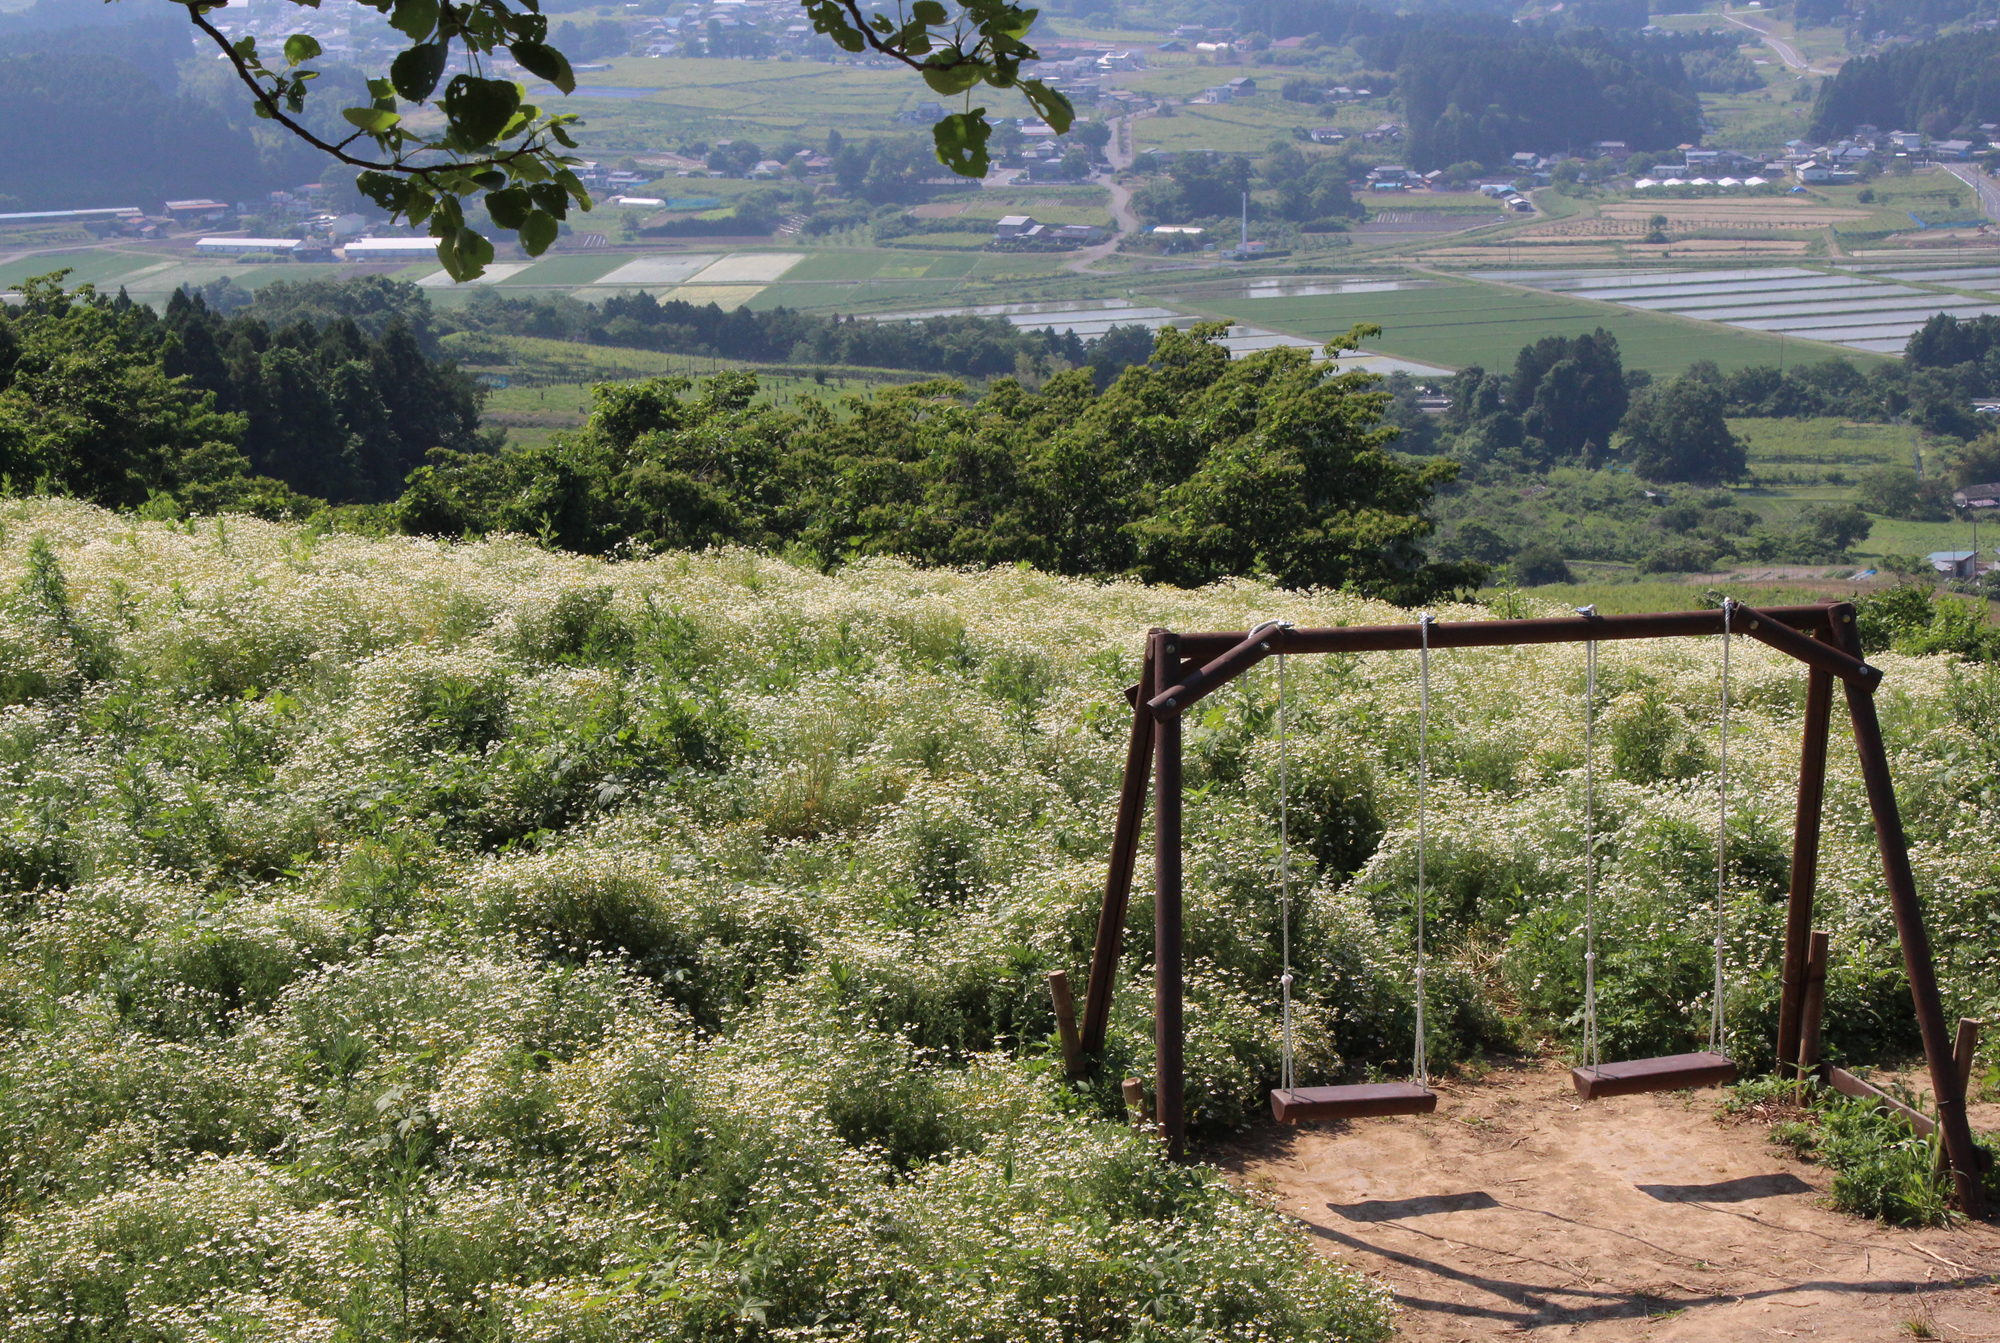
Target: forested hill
<point>112,104</point>
<point>91,131</point>
<point>1478,86</point>
<point>1935,87</point>
<point>1480,99</point>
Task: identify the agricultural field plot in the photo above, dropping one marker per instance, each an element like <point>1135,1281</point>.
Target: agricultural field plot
<point>101,266</point>
<point>495,274</point>
<point>1245,127</point>
<point>1456,323</point>
<point>708,98</point>
<point>561,272</point>
<point>1896,201</point>
<point>657,270</point>
<point>1854,310</point>
<point>1765,212</point>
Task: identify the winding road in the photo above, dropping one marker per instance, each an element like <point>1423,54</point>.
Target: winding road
<point>1787,53</point>
<point>1123,221</point>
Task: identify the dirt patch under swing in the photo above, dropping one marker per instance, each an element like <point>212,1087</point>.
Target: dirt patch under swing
<point>1515,1209</point>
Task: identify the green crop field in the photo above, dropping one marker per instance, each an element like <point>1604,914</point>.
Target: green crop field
<point>713,99</point>
<point>576,268</point>
<point>1467,322</point>
<point>98,266</point>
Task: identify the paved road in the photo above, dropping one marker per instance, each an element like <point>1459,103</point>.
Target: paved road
<point>1787,53</point>
<point>1983,186</point>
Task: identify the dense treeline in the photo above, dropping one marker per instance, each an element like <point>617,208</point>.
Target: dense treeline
<point>1914,18</point>
<point>328,408</point>
<point>89,131</point>
<point>1935,87</point>
<point>1479,99</point>
<point>1189,468</point>
<point>1478,86</point>
<point>101,398</point>
<point>965,346</point>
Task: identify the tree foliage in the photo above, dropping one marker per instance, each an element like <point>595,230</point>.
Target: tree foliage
<point>1676,432</point>
<point>1935,87</point>
<point>335,399</point>
<point>1482,99</point>
<point>87,409</point>
<point>1189,468</point>
<point>94,130</point>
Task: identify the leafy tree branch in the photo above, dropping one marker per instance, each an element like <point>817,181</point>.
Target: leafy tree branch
<point>497,144</point>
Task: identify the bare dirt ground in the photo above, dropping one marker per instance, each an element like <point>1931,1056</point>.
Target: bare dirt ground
<point>1516,1210</point>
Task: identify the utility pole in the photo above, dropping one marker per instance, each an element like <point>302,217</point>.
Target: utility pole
<point>1243,242</point>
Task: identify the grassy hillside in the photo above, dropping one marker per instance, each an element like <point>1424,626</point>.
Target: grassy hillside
<point>465,942</point>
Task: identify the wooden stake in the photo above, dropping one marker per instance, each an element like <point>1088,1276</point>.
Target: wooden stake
<point>1812,1009</point>
<point>1066,1023</point>
<point>1135,1101</point>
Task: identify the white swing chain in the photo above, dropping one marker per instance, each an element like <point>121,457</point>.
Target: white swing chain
<point>1286,1071</point>
<point>1419,1067</point>
<point>1590,1050</point>
<point>1717,1027</point>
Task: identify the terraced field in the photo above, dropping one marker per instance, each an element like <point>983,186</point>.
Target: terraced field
<point>1870,309</point>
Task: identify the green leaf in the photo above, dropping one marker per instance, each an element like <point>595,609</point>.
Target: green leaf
<point>550,197</point>
<point>416,71</point>
<point>961,142</point>
<point>371,119</point>
<point>954,77</point>
<point>414,18</point>
<point>509,208</point>
<point>1053,106</point>
<point>479,109</point>
<point>546,62</point>
<point>384,190</point>
<point>538,233</point>
<point>927,12</point>
<point>300,48</point>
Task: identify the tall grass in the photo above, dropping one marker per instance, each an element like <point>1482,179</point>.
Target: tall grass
<point>407,940</point>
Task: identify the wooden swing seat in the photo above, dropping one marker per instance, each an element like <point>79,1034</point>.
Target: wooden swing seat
<point>1671,1072</point>
<point>1366,1101</point>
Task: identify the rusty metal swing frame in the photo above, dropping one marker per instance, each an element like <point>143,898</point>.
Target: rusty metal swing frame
<point>1180,669</point>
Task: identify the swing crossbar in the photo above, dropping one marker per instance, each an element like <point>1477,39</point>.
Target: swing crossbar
<point>1369,1100</point>
<point>1224,657</point>
<point>1670,1072</point>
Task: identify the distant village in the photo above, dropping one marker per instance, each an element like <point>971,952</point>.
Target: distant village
<point>307,223</point>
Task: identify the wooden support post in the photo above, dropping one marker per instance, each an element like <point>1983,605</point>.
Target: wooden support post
<point>1124,851</point>
<point>1812,1008</point>
<point>1917,964</point>
<point>1805,862</point>
<point>1135,1101</point>
<point>1066,1022</point>
<point>1963,1048</point>
<point>1167,985</point>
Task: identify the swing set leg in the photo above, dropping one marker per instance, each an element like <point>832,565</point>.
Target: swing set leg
<point>1946,1084</point>
<point>1805,864</point>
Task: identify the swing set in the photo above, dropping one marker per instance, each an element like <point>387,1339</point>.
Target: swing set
<point>1180,669</point>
